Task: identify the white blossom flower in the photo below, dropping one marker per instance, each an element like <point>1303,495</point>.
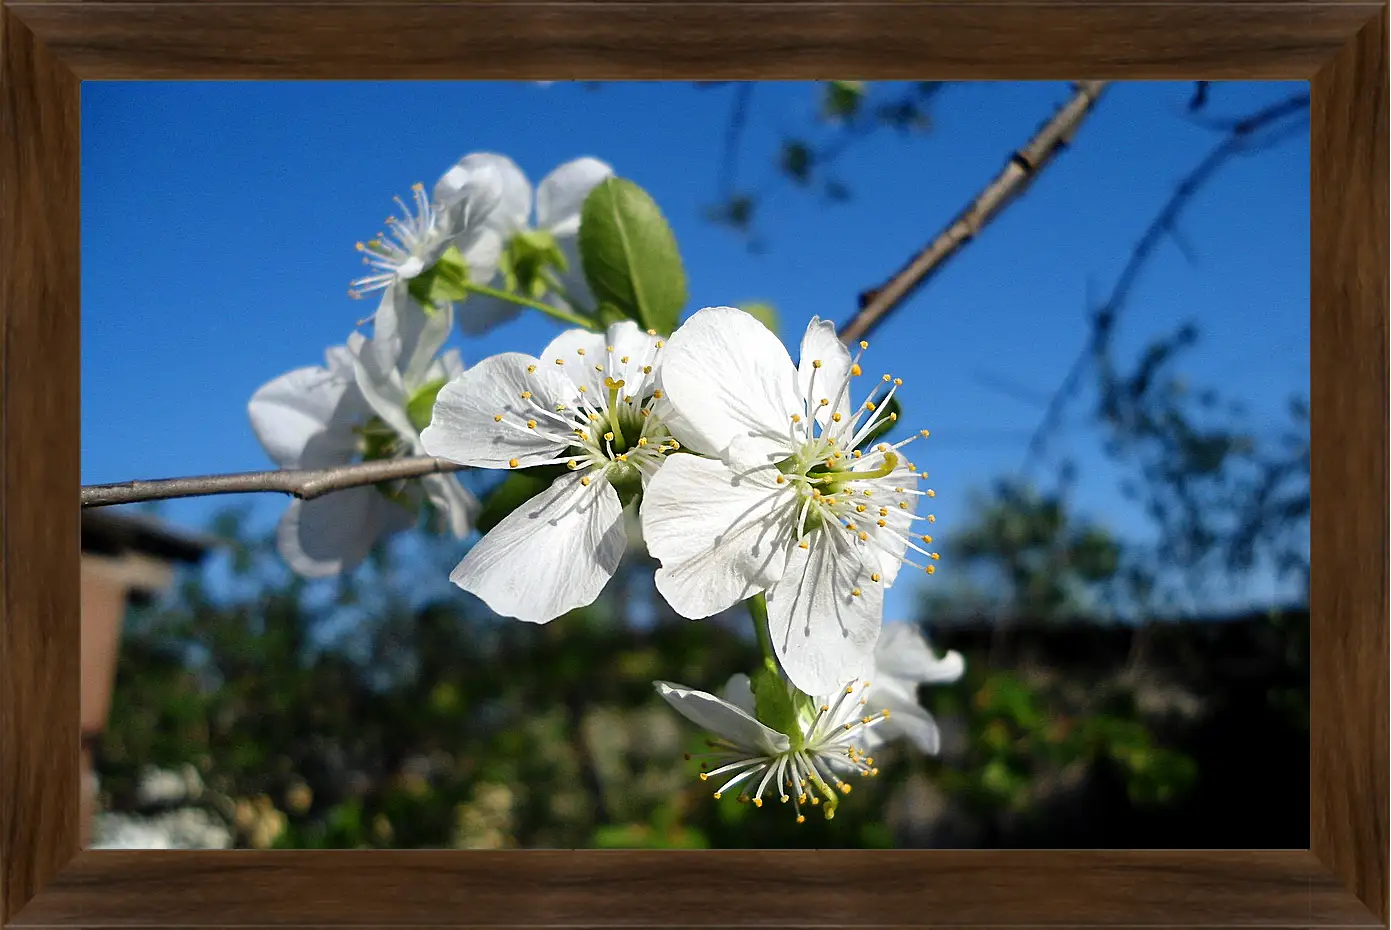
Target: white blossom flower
<point>558,201</point>
<point>587,403</point>
<point>459,215</point>
<point>790,505</point>
<point>903,660</point>
<point>809,765</point>
<point>356,407</point>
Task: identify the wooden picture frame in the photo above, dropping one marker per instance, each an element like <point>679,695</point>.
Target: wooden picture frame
<point>50,47</point>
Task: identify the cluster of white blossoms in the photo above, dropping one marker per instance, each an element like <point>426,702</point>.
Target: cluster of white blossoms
<point>375,395</point>
<point>751,479</point>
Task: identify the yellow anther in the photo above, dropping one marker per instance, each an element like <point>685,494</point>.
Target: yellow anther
<point>816,363</point>
<point>887,379</point>
<point>893,417</point>
<point>784,799</point>
<point>902,505</point>
<point>868,493</point>
<point>871,406</point>
<point>854,592</point>
<point>864,536</point>
<point>572,464</point>
<point>825,708</point>
<point>936,556</point>
<point>858,453</point>
<point>650,332</point>
<point>845,788</point>
<point>579,351</point>
<point>716,795</point>
<point>781,479</point>
<point>835,417</point>
<point>757,802</point>
<point>803,545</point>
<point>599,368</point>
<point>531,424</point>
<point>647,369</point>
<point>924,433</point>
<point>660,343</point>
<point>497,418</point>
<point>874,577</point>
<point>642,441</point>
<point>530,369</point>
<point>931,518</point>
<point>931,569</point>
<point>898,381</point>
<point>859,508</point>
<point>513,463</point>
<point>931,493</point>
<point>864,344</point>
<point>926,539</point>
<point>624,360</point>
<point>704,776</point>
<point>856,370</point>
<point>658,394</point>
<point>526,395</point>
<point>608,437</point>
<point>796,418</point>
<point>585,481</point>
<point>584,389</point>
<point>882,522</point>
<point>825,402</point>
<point>801,818</point>
<point>886,713</point>
<point>883,511</point>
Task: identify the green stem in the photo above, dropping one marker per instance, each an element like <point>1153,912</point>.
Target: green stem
<point>758,610</point>
<point>565,316</point>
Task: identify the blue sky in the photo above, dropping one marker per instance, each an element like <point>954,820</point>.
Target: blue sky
<point>219,220</point>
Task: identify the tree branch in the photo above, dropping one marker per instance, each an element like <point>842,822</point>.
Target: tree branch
<point>1241,139</point>
<point>304,483</point>
<point>1020,171</point>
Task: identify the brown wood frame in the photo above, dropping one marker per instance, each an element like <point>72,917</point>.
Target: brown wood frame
<point>49,47</point>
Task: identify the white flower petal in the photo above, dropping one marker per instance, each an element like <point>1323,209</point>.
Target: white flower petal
<point>830,379</point>
<point>908,719</point>
<point>382,387</point>
<point>481,248</point>
<point>903,652</point>
<point>454,501</point>
<point>739,692</point>
<point>721,537</point>
<point>560,195</point>
<point>481,170</point>
<point>304,418</point>
<point>333,534</point>
<point>463,429</point>
<point>723,719</point>
<point>823,634</point>
<point>728,378</point>
<point>406,336</point>
<point>551,555</point>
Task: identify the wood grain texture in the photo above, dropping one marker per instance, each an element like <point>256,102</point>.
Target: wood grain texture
<point>613,888</point>
<point>1348,418</point>
<point>45,43</point>
<point>39,442</point>
<point>876,39</point>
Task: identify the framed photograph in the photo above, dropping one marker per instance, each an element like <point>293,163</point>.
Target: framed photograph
<point>583,550</point>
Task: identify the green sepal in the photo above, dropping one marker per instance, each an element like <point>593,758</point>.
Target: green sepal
<point>774,706</point>
<point>444,282</point>
<point>525,260</point>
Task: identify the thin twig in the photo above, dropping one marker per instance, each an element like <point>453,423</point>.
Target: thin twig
<point>1238,141</point>
<point>1020,171</point>
<point>304,483</point>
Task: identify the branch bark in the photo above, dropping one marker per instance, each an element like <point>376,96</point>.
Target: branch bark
<point>306,484</point>
<point>1019,172</point>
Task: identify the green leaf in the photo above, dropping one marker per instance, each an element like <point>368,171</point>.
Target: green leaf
<point>514,491</point>
<point>773,704</point>
<point>630,256</point>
